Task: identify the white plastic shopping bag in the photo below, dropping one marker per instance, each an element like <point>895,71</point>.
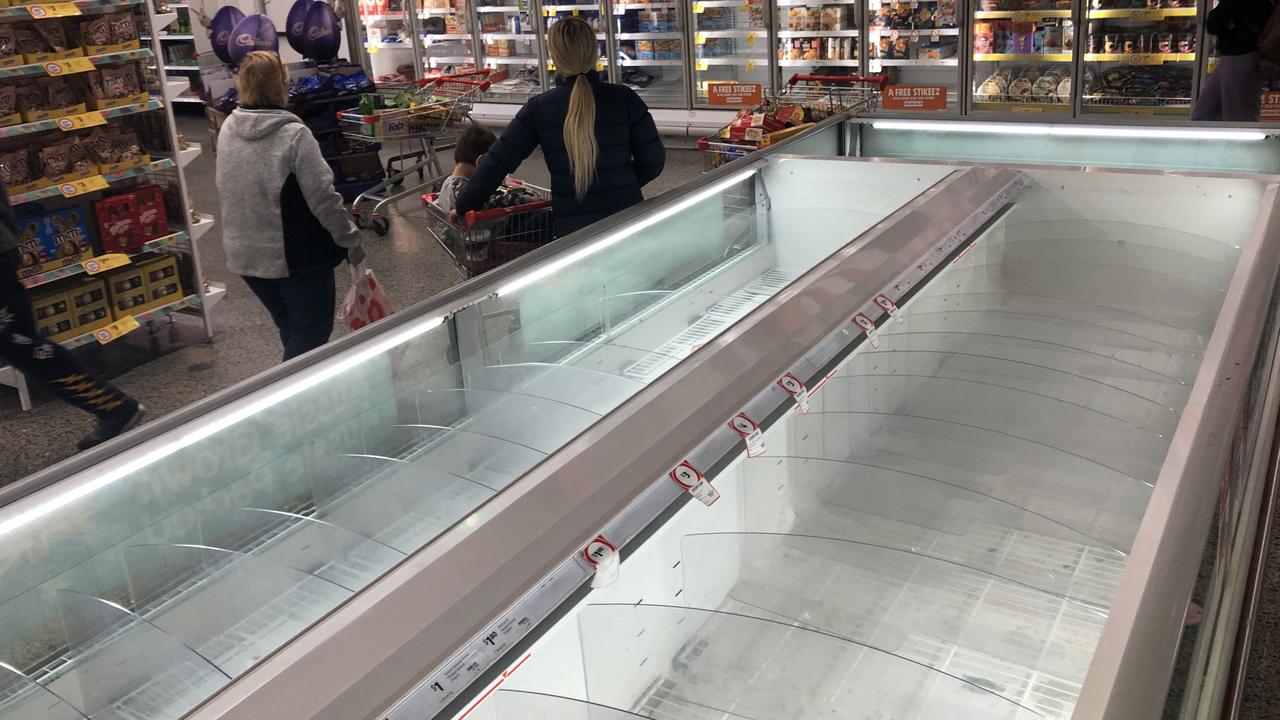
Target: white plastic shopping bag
<point>365,302</point>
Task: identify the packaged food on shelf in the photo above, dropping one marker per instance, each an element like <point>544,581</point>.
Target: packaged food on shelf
<point>127,291</point>
<point>116,217</point>
<point>52,309</point>
<point>45,41</point>
<point>163,283</point>
<point>9,53</point>
<point>52,240</point>
<point>89,306</point>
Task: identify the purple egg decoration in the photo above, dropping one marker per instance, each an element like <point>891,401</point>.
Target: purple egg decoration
<point>224,21</point>
<point>255,32</point>
<point>323,33</point>
<point>295,30</point>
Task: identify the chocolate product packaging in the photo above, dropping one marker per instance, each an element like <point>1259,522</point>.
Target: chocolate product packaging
<point>8,100</point>
<point>8,41</point>
<point>119,81</point>
<point>102,146</point>
<point>59,93</point>
<point>123,29</point>
<point>54,34</point>
<point>128,146</point>
<point>29,42</point>
<point>96,31</point>
<point>55,159</point>
<point>78,155</point>
<point>32,96</point>
<point>15,167</point>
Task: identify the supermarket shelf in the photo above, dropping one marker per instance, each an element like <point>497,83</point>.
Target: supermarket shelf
<point>818,63</point>
<point>191,152</point>
<point>182,68</point>
<point>507,36</point>
<point>390,45</point>
<point>756,61</point>
<point>200,225</point>
<point>46,125</point>
<point>107,59</point>
<point>164,20</point>
<point>1022,107</point>
<point>49,192</point>
<point>446,36</point>
<point>85,6</point>
<point>939,32</point>
<point>795,3</point>
<point>498,9</point>
<point>701,35</point>
<point>652,63</point>
<point>366,19</point>
<point>447,60</point>
<point>1142,13</point>
<point>1140,58</point>
<point>1028,57</point>
<point>435,12</point>
<point>178,5</point>
<point>944,62</point>
<point>188,99</point>
<point>166,37</point>
<point>1092,106</point>
<point>644,6</point>
<point>552,9</point>
<point>650,36</point>
<point>190,301</point>
<point>511,60</point>
<point>1020,14</point>
<point>717,4</point>
<point>78,269</point>
<point>817,33</point>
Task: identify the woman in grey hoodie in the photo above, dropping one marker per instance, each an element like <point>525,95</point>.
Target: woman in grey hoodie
<point>284,226</point>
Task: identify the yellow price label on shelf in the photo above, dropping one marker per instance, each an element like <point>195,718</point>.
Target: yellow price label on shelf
<point>600,66</point>
<point>575,12</point>
<point>116,330</point>
<point>746,7</point>
<point>751,38</point>
<point>68,67</point>
<point>103,263</point>
<point>53,10</point>
<point>751,65</point>
<point>700,39</point>
<point>1146,15</point>
<point>372,48</point>
<point>1024,17</point>
<point>76,188</point>
<point>81,121</point>
<point>703,65</point>
<point>699,8</point>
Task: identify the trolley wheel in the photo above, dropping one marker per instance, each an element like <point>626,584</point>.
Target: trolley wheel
<point>361,219</point>
<point>381,225</point>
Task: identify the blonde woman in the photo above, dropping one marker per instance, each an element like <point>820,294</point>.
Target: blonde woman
<point>284,226</point>
<point>598,138</point>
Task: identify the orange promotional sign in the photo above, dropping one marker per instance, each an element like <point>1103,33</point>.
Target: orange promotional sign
<point>732,94</point>
<point>914,97</point>
<point>1270,105</point>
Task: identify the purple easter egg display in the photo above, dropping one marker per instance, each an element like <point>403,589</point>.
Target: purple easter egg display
<point>255,32</point>
<point>224,21</point>
<point>323,33</point>
<point>295,30</point>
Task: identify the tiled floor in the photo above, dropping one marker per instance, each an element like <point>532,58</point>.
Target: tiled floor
<point>411,265</point>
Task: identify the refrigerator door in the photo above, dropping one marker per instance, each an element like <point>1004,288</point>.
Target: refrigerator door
<point>651,55</point>
<point>389,30</point>
<point>1139,57</point>
<point>592,13</point>
<point>917,43</point>
<point>1022,57</point>
<point>448,45</point>
<point>817,37</point>
<point>730,44</point>
<point>512,49</point>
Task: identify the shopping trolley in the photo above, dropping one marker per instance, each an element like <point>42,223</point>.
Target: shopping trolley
<point>819,96</point>
<point>438,109</point>
<point>484,239</point>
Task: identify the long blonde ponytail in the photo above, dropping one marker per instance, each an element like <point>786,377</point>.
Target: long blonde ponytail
<point>575,51</point>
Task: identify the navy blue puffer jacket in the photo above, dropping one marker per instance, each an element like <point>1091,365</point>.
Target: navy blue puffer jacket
<point>631,154</point>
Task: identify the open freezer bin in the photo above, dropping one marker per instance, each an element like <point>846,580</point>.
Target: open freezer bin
<point>950,530</point>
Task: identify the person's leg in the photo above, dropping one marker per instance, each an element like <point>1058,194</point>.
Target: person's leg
<point>1208,106</point>
<point>52,366</point>
<point>310,298</point>
<point>1241,89</point>
<point>270,293</point>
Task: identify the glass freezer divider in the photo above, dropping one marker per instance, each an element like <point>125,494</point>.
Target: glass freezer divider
<point>469,663</point>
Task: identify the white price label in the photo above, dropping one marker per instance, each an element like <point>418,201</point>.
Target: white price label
<point>605,558</point>
<point>869,327</point>
<point>687,477</point>
<point>794,387</point>
<point>750,432</point>
<point>883,301</point>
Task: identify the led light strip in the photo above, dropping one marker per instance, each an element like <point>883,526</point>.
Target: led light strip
<point>1099,131</point>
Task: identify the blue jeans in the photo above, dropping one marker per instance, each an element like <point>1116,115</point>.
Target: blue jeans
<point>302,307</point>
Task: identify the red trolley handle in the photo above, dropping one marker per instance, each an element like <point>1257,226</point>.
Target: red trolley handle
<point>477,216</point>
<point>880,80</point>
<point>456,76</point>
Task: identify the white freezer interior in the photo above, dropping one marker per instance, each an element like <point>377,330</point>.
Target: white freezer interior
<point>942,534</point>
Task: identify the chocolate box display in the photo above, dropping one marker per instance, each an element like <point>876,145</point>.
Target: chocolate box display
<point>53,240</point>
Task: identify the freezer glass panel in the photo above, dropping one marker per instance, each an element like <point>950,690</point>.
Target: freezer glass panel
<point>730,44</point>
<point>448,46</point>
<point>817,38</point>
<point>1022,56</point>
<point>941,535</point>
<point>208,548</point>
<point>592,13</point>
<point>651,51</point>
<point>1140,56</point>
<point>512,49</point>
<point>916,42</point>
<point>388,40</point>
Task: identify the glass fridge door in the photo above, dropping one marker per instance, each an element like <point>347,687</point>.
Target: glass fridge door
<point>731,41</point>
<point>651,52</point>
<point>916,43</point>
<point>1022,56</point>
<point>389,29</point>
<point>512,49</point>
<point>1140,56</point>
<point>592,13</point>
<point>817,37</point>
<point>447,43</point>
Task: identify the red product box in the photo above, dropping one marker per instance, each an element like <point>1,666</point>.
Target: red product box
<point>117,223</point>
<point>151,222</point>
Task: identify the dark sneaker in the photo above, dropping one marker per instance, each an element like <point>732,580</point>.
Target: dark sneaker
<point>121,420</point>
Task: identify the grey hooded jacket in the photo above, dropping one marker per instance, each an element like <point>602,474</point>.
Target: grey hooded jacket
<point>280,212</point>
